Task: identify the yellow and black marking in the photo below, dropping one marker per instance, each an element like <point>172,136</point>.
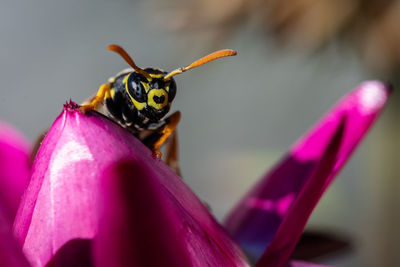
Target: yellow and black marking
<point>139,99</point>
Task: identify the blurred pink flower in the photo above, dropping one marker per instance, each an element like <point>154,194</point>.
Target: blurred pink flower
<point>14,167</point>
<point>10,252</point>
<point>97,197</point>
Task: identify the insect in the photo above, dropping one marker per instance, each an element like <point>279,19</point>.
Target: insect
<point>138,99</point>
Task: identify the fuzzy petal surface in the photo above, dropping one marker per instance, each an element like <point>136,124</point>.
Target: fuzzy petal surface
<point>14,167</point>
<point>254,222</point>
<point>59,214</point>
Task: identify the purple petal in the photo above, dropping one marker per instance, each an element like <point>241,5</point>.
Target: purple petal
<point>59,211</point>
<point>10,252</point>
<point>14,167</point>
<point>292,225</point>
<point>144,223</point>
<point>255,220</point>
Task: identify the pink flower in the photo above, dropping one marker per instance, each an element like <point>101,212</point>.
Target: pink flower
<point>14,168</point>
<point>97,197</point>
<point>10,253</point>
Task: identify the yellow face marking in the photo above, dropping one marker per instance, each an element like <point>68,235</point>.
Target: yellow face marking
<point>156,76</point>
<point>111,79</point>
<point>136,103</point>
<point>125,80</point>
<point>112,93</point>
<point>147,76</point>
<point>158,93</point>
<point>146,86</point>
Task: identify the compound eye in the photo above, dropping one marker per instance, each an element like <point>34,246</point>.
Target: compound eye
<point>171,90</point>
<point>137,89</point>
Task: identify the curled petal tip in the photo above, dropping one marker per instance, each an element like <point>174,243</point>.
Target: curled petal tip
<point>373,95</point>
<point>70,106</point>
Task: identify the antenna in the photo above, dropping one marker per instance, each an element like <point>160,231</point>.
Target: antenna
<point>119,50</point>
<point>202,61</point>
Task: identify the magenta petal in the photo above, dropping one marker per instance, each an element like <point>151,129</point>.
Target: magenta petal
<point>138,224</point>
<point>14,167</point>
<point>145,223</point>
<point>59,211</point>
<point>292,225</point>
<point>256,219</point>
<point>10,252</point>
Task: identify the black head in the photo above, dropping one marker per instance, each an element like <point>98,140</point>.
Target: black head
<point>152,90</point>
<point>151,95</point>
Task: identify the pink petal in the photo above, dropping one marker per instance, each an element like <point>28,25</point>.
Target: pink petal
<point>59,212</point>
<point>255,220</point>
<point>10,252</point>
<point>145,223</point>
<point>14,167</point>
<point>292,225</point>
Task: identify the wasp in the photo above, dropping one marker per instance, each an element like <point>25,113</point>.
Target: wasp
<point>139,99</point>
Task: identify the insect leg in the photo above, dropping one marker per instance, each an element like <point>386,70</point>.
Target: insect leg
<point>172,158</point>
<point>157,139</point>
<point>103,92</point>
<point>37,144</point>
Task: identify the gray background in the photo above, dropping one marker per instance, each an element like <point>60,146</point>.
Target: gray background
<point>239,114</point>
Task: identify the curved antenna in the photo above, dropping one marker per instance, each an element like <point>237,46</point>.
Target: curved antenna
<point>202,61</point>
<point>119,50</point>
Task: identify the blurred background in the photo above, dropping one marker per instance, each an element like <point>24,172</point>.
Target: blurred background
<point>295,59</point>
